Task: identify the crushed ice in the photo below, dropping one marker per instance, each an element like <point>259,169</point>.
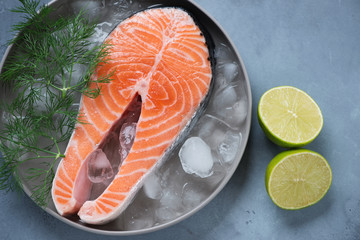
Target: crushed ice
<point>176,188</point>
<point>203,160</point>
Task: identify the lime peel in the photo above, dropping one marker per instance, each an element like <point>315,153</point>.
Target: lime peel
<point>289,116</point>
<point>296,179</point>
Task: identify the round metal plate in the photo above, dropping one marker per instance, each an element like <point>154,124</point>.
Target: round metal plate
<point>116,11</point>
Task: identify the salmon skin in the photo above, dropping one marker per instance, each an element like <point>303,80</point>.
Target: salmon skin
<point>162,74</point>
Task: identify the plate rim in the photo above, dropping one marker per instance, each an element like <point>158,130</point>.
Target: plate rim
<point>220,187</point>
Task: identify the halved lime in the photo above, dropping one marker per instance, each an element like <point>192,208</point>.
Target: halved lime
<point>297,179</point>
<point>289,116</point>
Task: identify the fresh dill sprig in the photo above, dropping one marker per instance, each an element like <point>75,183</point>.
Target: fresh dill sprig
<point>51,65</point>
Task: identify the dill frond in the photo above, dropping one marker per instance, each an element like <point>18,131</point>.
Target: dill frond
<point>52,64</point>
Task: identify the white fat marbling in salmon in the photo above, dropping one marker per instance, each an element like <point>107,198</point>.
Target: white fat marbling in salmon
<point>162,74</point>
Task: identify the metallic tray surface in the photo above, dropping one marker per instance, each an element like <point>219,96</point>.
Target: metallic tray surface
<point>218,37</point>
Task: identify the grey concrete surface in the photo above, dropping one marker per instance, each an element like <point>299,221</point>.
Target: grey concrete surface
<point>313,45</point>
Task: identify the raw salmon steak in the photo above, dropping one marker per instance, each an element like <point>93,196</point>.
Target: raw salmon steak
<point>162,73</point>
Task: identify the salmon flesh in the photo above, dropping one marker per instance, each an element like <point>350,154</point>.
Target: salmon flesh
<point>162,73</point>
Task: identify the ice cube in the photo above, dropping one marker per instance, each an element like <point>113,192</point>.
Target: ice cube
<point>239,113</point>
<point>111,148</point>
<point>230,71</point>
<point>99,167</point>
<point>127,134</point>
<point>225,98</point>
<point>220,82</point>
<point>171,199</point>
<point>139,223</point>
<point>152,187</point>
<point>88,7</point>
<point>214,180</point>
<point>212,130</point>
<point>205,127</point>
<point>196,158</point>
<point>7,117</point>
<point>139,214</point>
<point>222,53</point>
<point>236,114</point>
<point>172,176</point>
<point>101,32</point>
<point>172,181</point>
<point>164,214</point>
<point>123,153</point>
<point>126,137</point>
<point>170,206</point>
<point>192,195</point>
<point>228,148</point>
